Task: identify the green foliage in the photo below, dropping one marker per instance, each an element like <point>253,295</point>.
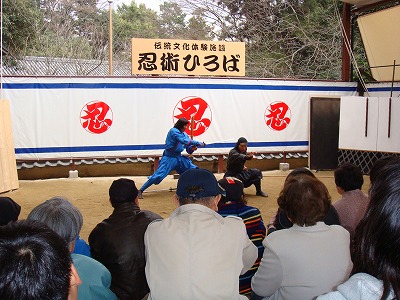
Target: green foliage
<point>21,18</point>
<point>172,21</point>
<point>289,39</point>
<point>284,38</point>
<point>51,45</point>
<point>132,21</point>
<point>198,29</point>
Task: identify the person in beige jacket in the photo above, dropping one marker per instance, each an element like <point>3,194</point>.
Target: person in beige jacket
<point>308,259</point>
<point>196,253</point>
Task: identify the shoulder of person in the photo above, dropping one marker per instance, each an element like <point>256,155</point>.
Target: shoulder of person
<point>339,202</point>
<point>253,208</point>
<point>151,214</point>
<point>234,219</point>
<point>99,228</point>
<point>79,259</point>
<point>362,286</point>
<point>338,228</point>
<point>155,222</point>
<point>233,150</point>
<point>175,130</point>
<point>339,231</point>
<point>364,277</point>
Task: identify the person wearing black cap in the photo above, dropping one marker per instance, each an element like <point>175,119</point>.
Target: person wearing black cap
<point>234,204</point>
<point>235,167</point>
<point>176,141</point>
<point>195,253</point>
<point>117,242</point>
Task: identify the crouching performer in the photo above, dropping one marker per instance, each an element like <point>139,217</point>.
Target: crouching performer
<point>177,140</point>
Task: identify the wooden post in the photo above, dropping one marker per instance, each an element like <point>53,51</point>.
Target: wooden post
<point>156,161</point>
<point>220,163</point>
<point>191,127</point>
<point>346,19</point>
<point>8,166</point>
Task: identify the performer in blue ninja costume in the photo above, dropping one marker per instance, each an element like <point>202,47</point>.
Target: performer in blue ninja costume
<point>177,140</point>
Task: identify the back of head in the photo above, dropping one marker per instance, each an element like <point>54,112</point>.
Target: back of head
<point>348,177</point>
<point>305,200</point>
<point>300,171</point>
<point>181,123</point>
<point>198,186</point>
<point>35,262</point>
<point>9,210</point>
<point>378,164</point>
<point>122,190</point>
<point>59,215</point>
<point>377,238</point>
<point>234,189</point>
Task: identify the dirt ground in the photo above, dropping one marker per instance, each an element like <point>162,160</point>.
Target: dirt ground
<point>90,195</point>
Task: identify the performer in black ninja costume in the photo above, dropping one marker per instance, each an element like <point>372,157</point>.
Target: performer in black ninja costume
<point>236,167</point>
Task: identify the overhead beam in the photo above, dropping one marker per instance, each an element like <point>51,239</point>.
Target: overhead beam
<point>358,10</point>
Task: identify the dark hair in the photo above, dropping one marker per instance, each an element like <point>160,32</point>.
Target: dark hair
<point>378,164</point>
<point>180,123</point>
<point>241,140</point>
<point>9,210</point>
<point>59,215</point>
<point>122,190</point>
<point>35,262</point>
<point>300,171</point>
<point>377,237</point>
<point>305,200</point>
<point>349,177</point>
<point>234,190</point>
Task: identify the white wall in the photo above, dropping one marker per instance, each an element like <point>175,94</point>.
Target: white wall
<point>48,114</point>
<point>363,128</point>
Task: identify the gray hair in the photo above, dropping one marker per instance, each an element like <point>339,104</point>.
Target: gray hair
<point>206,201</point>
<point>60,216</point>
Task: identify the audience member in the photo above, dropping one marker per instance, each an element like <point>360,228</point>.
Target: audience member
<point>281,220</point>
<point>9,210</point>
<point>377,165</point>
<point>308,259</point>
<point>81,247</point>
<point>35,264</point>
<point>234,204</point>
<point>235,167</point>
<point>66,220</point>
<point>118,241</point>
<point>377,241</point>
<point>196,253</point>
<point>353,204</point>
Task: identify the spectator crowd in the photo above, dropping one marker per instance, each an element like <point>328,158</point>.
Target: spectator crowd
<point>214,245</point>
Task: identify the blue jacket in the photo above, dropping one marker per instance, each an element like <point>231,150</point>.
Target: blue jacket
<point>176,141</point>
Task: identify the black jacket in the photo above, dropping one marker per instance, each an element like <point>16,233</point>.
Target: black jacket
<point>118,243</point>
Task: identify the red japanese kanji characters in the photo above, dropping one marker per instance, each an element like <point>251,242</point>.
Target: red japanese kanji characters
<point>96,117</point>
<point>277,116</point>
<point>197,108</point>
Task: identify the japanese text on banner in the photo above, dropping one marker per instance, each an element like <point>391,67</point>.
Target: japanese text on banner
<point>187,57</point>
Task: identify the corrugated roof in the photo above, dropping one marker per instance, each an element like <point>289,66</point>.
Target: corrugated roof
<point>123,160</point>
